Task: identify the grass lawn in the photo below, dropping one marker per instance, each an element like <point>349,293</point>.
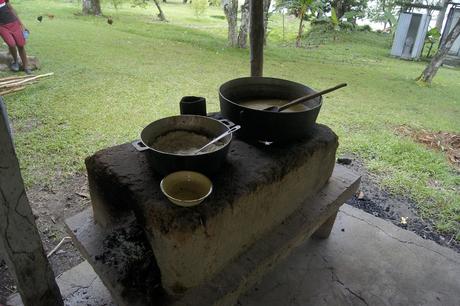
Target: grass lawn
<point>110,81</point>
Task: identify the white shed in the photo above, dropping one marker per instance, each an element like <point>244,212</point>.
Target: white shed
<point>452,19</point>
<point>410,35</point>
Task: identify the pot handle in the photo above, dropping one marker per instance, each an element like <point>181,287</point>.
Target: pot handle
<point>139,145</point>
<point>227,123</point>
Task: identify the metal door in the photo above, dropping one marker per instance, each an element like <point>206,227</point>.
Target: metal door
<point>420,38</point>
<point>401,34</point>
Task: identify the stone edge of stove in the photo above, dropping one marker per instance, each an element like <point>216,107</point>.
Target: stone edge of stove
<point>89,239</point>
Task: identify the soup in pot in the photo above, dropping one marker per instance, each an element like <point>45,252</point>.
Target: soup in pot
<point>261,104</point>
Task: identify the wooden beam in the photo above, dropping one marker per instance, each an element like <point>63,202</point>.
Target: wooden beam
<point>408,4</point>
<point>20,243</point>
<point>256,36</point>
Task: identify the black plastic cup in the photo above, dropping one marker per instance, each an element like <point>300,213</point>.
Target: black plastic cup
<point>191,105</point>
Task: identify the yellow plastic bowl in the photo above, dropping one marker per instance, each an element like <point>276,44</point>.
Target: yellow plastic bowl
<point>186,188</point>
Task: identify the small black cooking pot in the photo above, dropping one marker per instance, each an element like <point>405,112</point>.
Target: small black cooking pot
<point>204,162</point>
<point>263,125</point>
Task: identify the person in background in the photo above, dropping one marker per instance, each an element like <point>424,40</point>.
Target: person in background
<point>12,32</point>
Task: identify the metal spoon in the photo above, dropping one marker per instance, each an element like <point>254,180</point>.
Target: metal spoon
<point>231,130</point>
<point>277,109</point>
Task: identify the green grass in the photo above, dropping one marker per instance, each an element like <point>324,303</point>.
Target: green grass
<point>110,81</point>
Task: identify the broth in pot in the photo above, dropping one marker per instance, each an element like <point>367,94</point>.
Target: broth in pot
<point>261,104</point>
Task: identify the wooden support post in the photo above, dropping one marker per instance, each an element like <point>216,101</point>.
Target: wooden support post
<point>20,242</point>
<point>256,36</point>
<point>325,229</point>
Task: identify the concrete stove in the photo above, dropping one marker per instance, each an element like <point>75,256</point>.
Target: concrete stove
<point>193,249</point>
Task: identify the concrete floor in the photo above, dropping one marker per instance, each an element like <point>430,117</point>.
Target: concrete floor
<point>365,261</point>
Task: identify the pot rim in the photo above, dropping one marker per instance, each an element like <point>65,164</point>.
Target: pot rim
<point>230,137</point>
<point>266,111</point>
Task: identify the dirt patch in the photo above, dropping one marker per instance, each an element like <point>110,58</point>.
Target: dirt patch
<point>51,206</point>
<point>400,210</point>
<point>448,143</point>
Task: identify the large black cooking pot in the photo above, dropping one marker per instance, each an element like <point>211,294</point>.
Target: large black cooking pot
<point>263,125</point>
<point>204,162</point>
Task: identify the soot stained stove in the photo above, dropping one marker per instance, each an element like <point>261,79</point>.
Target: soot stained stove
<point>265,201</point>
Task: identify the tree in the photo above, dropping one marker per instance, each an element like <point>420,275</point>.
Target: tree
<point>300,9</point>
<point>442,14</point>
<point>384,11</point>
<point>200,7</point>
<point>432,68</point>
<point>144,4</point>
<point>343,6</point>
<point>231,13</point>
<point>91,7</point>
<point>161,15</point>
<point>266,8</point>
<point>244,26</point>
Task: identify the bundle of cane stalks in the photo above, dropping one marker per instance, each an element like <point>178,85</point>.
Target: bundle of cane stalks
<point>16,83</point>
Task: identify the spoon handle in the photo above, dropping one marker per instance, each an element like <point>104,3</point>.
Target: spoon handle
<point>231,130</point>
<point>312,96</point>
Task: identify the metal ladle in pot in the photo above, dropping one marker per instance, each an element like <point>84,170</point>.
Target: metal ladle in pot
<point>277,109</point>
<point>231,130</point>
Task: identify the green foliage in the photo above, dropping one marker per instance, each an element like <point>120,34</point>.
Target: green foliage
<point>139,3</point>
<point>433,35</point>
<point>334,20</point>
<point>116,3</point>
<point>298,7</point>
<point>199,7</point>
<point>384,11</point>
<point>355,8</point>
<point>215,3</point>
<point>364,28</point>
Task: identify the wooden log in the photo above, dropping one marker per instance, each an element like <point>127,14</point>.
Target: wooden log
<point>20,242</point>
<point>256,37</point>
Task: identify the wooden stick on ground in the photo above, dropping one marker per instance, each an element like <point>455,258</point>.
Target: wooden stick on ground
<point>13,80</point>
<point>14,77</point>
<point>2,93</point>
<point>64,240</point>
<point>33,78</point>
<point>28,81</point>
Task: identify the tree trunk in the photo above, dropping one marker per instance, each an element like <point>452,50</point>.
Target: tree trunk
<point>244,26</point>
<point>298,42</point>
<point>266,8</point>
<point>161,15</point>
<point>231,12</point>
<point>91,7</point>
<point>441,15</point>
<point>20,242</point>
<point>256,37</point>
<point>432,68</point>
<point>338,6</point>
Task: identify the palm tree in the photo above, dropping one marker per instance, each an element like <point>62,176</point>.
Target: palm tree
<point>300,9</point>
